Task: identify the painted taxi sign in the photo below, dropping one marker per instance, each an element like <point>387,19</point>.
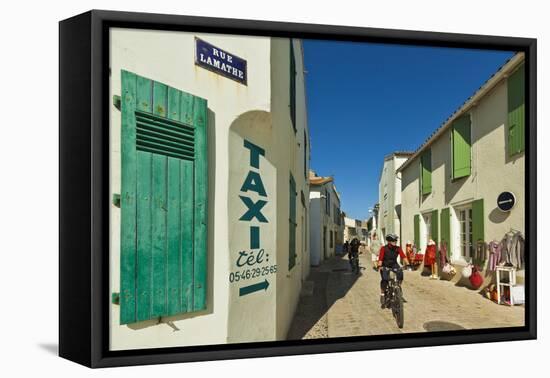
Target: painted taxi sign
<point>220,61</point>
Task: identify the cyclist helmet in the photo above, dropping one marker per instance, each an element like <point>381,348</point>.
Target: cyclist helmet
<point>392,237</point>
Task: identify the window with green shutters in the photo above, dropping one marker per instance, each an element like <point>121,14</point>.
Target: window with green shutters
<point>417,230</point>
<point>516,112</point>
<point>445,230</point>
<point>163,200</point>
<point>426,172</point>
<point>461,147</point>
<point>292,86</point>
<point>292,223</point>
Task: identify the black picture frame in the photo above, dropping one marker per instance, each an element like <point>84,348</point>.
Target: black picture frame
<point>84,195</point>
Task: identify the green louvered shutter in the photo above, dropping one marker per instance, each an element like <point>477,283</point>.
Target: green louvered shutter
<point>445,229</point>
<point>462,147</point>
<point>417,230</point>
<point>163,200</point>
<point>292,223</point>
<point>478,222</point>
<point>516,112</point>
<point>435,228</point>
<point>426,172</point>
<point>292,86</point>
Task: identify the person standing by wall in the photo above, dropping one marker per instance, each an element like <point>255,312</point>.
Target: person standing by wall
<point>374,250</point>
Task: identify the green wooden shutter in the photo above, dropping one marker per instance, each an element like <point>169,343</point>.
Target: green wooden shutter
<point>292,86</point>
<point>478,222</point>
<point>292,223</point>
<point>417,230</point>
<point>445,229</point>
<point>516,112</point>
<point>305,155</point>
<point>163,200</point>
<point>435,229</point>
<point>462,147</point>
<point>426,172</point>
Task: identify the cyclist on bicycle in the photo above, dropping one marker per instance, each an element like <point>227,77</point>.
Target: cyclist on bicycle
<point>353,251</point>
<point>388,258</point>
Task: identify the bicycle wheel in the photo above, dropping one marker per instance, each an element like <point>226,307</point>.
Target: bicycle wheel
<point>398,307</point>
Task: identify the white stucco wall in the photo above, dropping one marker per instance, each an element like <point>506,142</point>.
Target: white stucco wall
<point>493,172</point>
<point>288,148</point>
<point>316,229</point>
<point>236,112</point>
<point>390,187</point>
<point>320,220</point>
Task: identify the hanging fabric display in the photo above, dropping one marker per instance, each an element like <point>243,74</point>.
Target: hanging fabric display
<point>495,249</point>
<point>431,253</point>
<point>513,249</point>
<point>480,253</point>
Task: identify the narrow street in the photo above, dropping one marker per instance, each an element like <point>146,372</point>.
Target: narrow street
<point>338,303</point>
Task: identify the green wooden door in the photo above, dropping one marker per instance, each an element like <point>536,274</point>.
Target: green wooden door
<point>417,231</point>
<point>445,229</point>
<point>435,229</point>
<point>163,200</point>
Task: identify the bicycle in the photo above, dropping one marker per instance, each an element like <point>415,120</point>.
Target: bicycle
<point>354,262</point>
<point>393,297</point>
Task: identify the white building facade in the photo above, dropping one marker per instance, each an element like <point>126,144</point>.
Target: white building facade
<point>326,221</point>
<point>355,228</point>
<point>209,157</point>
<point>389,190</point>
<point>451,184</point>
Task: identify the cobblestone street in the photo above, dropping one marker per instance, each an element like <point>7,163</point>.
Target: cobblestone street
<point>337,303</point>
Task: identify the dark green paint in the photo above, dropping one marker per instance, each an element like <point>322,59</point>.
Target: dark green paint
<point>117,101</point>
<point>255,152</point>
<point>254,237</point>
<point>253,182</point>
<point>200,203</point>
<point>187,237</point>
<point>253,288</point>
<point>163,200</point>
<point>254,210</point>
<point>116,199</point>
<point>128,263</point>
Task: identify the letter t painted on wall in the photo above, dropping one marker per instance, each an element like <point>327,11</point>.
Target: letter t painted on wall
<point>255,153</point>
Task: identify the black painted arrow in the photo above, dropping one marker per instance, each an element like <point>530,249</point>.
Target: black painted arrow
<point>253,288</point>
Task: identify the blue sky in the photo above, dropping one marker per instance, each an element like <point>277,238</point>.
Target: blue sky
<point>368,100</point>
